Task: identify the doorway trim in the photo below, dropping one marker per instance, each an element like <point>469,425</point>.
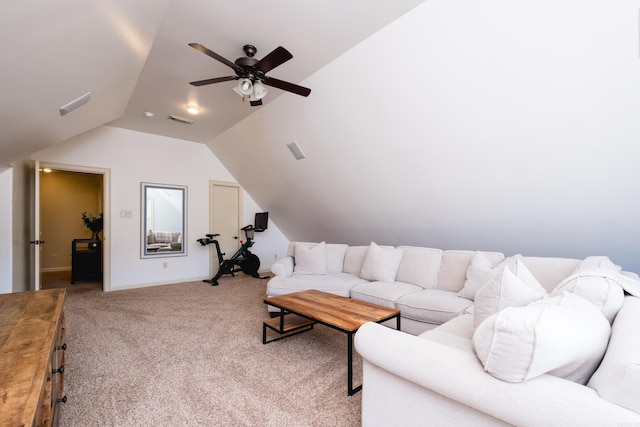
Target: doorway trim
<point>106,196</point>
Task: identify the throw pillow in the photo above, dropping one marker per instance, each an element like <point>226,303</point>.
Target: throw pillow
<point>563,335</point>
<point>597,287</point>
<point>481,271</point>
<point>618,376</point>
<point>504,290</point>
<point>310,258</point>
<point>381,263</point>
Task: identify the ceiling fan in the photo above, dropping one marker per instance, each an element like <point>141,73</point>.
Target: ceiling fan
<point>252,73</point>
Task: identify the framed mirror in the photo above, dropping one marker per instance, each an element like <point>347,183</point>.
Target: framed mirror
<point>163,220</point>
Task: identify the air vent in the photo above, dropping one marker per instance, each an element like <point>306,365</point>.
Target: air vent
<point>181,119</point>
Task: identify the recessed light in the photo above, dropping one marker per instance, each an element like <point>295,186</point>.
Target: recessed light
<point>148,114</point>
<point>193,110</point>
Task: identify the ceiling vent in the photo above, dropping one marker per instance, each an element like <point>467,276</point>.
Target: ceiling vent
<point>65,109</point>
<point>180,119</point>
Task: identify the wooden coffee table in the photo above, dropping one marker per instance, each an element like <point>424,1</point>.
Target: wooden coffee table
<point>299,311</point>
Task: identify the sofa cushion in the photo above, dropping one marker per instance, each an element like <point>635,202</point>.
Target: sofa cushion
<point>597,286</point>
<point>335,283</point>
<point>354,258</point>
<point>504,290</point>
<point>618,376</point>
<point>432,306</point>
<point>311,258</point>
<point>382,293</point>
<point>419,266</point>
<point>454,265</point>
<point>335,257</point>
<point>381,263</point>
<point>564,335</point>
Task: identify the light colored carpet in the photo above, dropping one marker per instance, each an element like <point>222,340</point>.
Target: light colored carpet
<point>192,355</point>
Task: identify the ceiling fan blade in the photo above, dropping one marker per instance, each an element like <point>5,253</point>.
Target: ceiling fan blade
<point>277,57</point>
<point>211,81</point>
<point>225,61</point>
<point>289,87</point>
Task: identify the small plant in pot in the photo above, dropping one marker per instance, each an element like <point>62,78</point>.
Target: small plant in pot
<point>93,223</point>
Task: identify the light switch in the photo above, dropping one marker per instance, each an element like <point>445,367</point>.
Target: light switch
<point>126,214</point>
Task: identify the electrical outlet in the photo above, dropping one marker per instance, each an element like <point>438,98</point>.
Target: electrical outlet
<point>165,264</point>
<point>54,256</point>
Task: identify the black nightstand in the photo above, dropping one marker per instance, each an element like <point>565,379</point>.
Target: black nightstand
<point>86,259</point>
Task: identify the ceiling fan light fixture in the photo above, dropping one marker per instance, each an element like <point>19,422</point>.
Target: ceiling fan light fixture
<point>244,87</point>
<point>259,91</point>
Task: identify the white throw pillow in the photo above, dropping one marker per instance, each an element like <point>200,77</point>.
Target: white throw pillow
<point>310,258</point>
<point>504,290</point>
<point>563,335</point>
<point>381,263</point>
<point>618,376</point>
<point>481,271</point>
<point>596,286</point>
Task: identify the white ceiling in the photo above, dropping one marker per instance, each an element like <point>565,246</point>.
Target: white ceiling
<point>134,57</point>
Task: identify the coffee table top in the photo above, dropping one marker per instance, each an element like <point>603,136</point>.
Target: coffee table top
<point>340,312</point>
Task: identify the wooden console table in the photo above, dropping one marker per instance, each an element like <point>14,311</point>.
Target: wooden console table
<point>32,346</point>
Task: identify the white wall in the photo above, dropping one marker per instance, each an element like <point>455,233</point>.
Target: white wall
<point>135,157</point>
<point>497,125</point>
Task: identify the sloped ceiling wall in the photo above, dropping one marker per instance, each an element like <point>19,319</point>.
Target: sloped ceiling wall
<point>494,125</point>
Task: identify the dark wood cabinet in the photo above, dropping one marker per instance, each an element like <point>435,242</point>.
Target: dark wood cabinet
<point>86,259</point>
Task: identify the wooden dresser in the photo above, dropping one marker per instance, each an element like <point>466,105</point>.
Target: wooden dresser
<point>32,346</point>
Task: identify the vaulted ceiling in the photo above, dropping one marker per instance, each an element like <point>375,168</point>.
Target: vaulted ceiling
<point>133,57</point>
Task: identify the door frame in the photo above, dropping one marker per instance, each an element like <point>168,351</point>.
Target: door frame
<point>213,266</point>
<point>106,231</point>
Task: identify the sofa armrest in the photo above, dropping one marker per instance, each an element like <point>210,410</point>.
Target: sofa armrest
<point>459,376</point>
<point>283,267</point>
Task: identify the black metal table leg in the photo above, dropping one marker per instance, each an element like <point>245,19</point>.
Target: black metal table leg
<point>350,390</point>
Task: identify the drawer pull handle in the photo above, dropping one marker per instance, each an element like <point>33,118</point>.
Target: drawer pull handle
<point>59,370</point>
<point>63,400</point>
<point>62,347</point>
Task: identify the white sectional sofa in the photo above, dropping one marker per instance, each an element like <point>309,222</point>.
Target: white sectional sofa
<point>492,340</point>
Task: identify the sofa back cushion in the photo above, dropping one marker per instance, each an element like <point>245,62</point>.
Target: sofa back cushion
<point>550,271</point>
<point>453,268</point>
<point>354,258</point>
<point>419,266</point>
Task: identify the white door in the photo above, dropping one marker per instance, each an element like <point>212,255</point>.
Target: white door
<point>35,241</point>
<point>225,212</point>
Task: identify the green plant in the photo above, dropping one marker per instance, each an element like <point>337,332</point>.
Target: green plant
<point>93,223</point>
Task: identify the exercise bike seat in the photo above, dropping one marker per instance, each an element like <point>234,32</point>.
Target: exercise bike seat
<point>211,235</point>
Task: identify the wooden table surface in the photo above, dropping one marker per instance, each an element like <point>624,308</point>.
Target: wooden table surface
<point>28,322</point>
<point>344,313</point>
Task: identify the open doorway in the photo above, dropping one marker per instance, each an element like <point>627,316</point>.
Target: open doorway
<point>71,252</point>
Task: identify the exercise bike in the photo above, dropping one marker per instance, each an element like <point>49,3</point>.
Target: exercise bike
<point>243,260</point>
